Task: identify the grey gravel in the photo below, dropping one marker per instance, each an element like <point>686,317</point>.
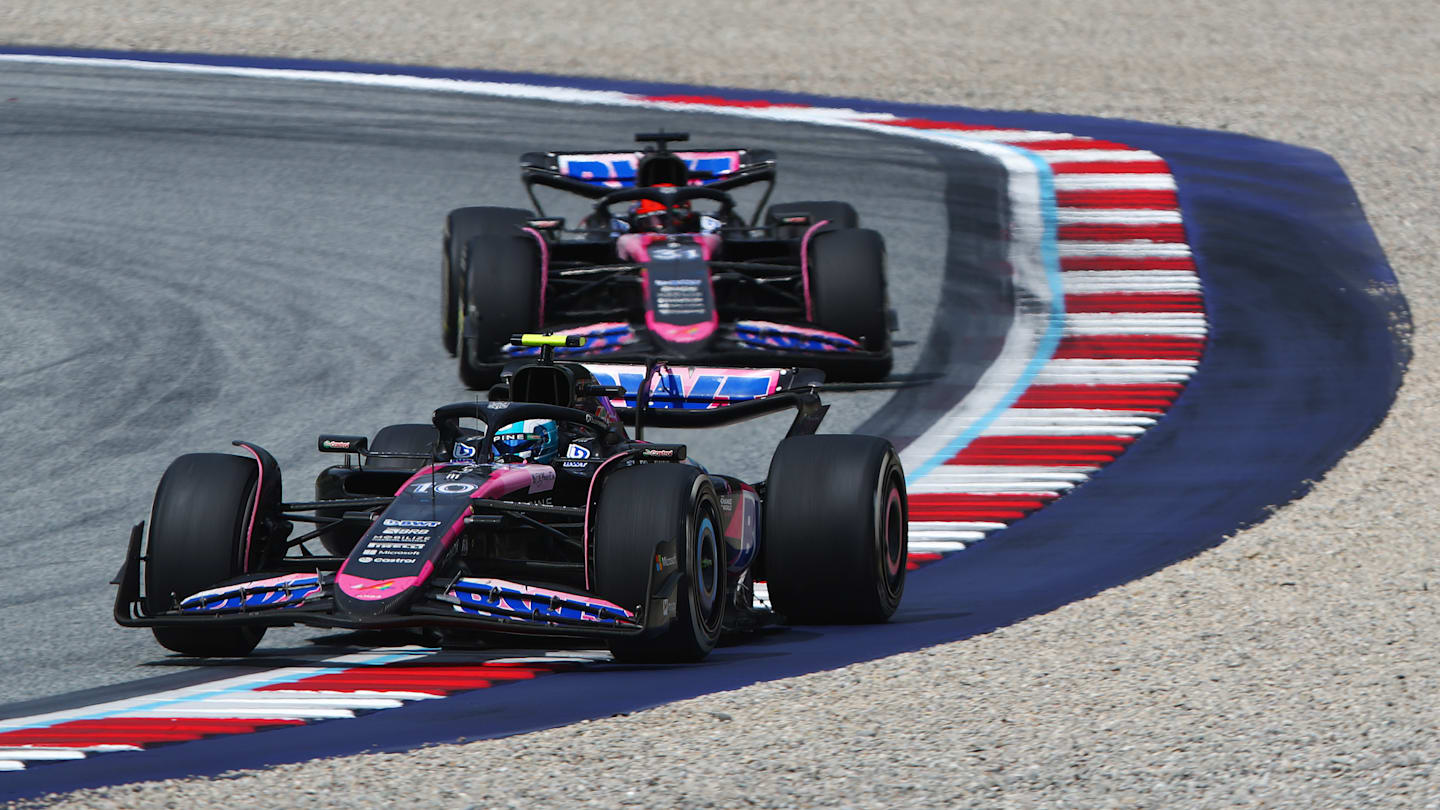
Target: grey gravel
<point>1293,666</point>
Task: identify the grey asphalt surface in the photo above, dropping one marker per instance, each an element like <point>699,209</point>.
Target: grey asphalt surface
<point>189,260</point>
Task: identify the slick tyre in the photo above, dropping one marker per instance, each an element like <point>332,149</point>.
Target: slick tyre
<point>839,215</point>
<point>197,539</point>
<point>847,288</point>
<point>462,225</point>
<point>834,535</point>
<point>646,508</point>
<point>501,298</point>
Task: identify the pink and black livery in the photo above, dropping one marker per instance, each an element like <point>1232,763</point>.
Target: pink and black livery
<point>437,526</point>
<point>664,265</point>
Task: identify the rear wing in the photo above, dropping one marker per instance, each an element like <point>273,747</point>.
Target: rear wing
<point>705,396</point>
<point>594,174</point>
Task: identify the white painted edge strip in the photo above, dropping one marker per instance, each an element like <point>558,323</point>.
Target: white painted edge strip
<point>1081,154</point>
<point>1114,182</point>
<point>1117,216</point>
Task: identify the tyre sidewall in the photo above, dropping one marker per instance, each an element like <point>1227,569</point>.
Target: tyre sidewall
<point>641,507</point>
<point>825,529</point>
<point>502,298</point>
<point>847,285</point>
<point>461,226</point>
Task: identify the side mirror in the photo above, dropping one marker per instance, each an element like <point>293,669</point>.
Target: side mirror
<point>663,452</point>
<point>334,443</point>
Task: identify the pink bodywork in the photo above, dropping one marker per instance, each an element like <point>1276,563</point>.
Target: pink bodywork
<point>544,270</point>
<point>805,267</point>
<point>635,247</point>
<point>255,510</point>
<point>501,482</point>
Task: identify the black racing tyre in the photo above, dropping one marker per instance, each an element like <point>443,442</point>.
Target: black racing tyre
<point>839,214</point>
<point>847,283</point>
<point>462,225</point>
<point>640,507</point>
<point>847,287</point>
<point>197,540</point>
<point>501,298</point>
<point>835,539</point>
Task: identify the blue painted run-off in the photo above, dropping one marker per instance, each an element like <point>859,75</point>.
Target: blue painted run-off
<point>1302,363</point>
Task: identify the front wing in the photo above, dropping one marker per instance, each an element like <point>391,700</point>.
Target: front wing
<point>306,597</point>
<point>749,344</point>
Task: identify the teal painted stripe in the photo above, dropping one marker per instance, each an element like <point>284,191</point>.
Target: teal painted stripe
<point>1055,322</point>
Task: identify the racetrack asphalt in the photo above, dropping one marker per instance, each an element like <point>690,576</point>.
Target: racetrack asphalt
<point>192,260</point>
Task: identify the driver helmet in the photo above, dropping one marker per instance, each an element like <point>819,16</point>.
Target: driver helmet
<point>650,216</point>
<point>533,440</point>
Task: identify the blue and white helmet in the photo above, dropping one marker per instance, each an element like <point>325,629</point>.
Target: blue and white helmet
<point>535,440</point>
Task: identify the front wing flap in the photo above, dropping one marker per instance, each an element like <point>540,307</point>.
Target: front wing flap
<point>306,598</point>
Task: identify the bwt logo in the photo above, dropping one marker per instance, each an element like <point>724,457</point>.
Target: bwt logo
<point>622,166</point>
<point>699,389</point>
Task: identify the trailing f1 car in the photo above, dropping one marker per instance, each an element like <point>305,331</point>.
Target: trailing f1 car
<point>663,265</point>
<point>534,513</point>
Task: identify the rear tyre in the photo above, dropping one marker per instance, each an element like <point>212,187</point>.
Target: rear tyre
<point>462,225</point>
<point>501,297</point>
<point>847,288</point>
<point>835,536</point>
<point>839,214</point>
<point>197,540</point>
<point>641,507</point>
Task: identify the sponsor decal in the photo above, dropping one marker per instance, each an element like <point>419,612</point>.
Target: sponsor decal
<point>670,254</point>
<point>577,451</point>
<point>462,451</point>
<point>617,169</point>
<point>672,452</point>
<point>541,478</point>
<point>701,387</point>
<point>378,586</point>
<point>336,444</point>
<point>411,523</point>
<point>575,465</point>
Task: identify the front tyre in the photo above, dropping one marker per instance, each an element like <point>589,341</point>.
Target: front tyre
<point>501,299</point>
<point>198,526</point>
<point>639,509</point>
<point>848,295</point>
<point>462,225</point>
<point>835,539</point>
